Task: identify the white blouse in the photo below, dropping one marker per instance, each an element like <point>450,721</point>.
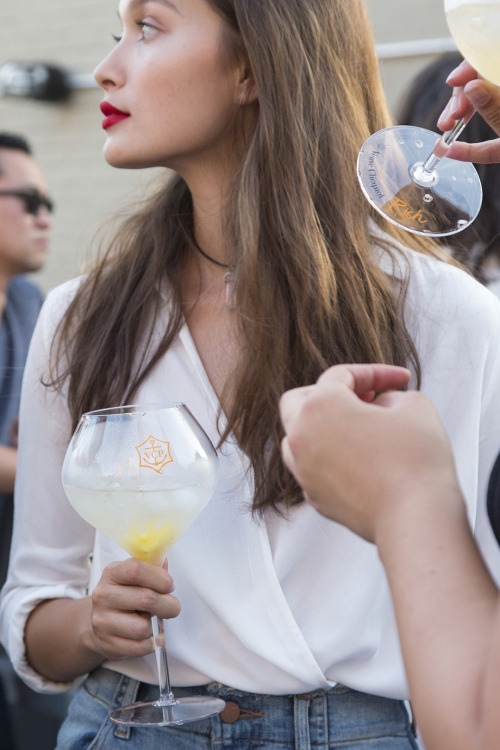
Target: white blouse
<point>280,605</point>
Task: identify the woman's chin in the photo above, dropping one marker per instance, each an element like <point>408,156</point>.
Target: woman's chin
<point>121,159</point>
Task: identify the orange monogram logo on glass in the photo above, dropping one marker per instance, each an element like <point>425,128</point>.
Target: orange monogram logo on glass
<point>154,453</point>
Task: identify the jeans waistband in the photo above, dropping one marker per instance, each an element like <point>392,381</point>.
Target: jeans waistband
<point>318,719</point>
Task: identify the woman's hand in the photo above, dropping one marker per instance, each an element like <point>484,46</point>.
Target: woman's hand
<point>123,601</point>
<point>472,93</point>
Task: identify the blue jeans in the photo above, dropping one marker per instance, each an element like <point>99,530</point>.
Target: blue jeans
<point>336,718</point>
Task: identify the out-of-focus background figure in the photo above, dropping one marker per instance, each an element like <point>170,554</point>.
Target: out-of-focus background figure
<point>25,224</point>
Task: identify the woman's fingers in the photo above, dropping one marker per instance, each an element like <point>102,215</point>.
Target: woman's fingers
<point>458,107</point>
<point>127,596</point>
<point>133,572</point>
<point>135,598</point>
<point>472,93</point>
<point>462,74</point>
<point>485,97</point>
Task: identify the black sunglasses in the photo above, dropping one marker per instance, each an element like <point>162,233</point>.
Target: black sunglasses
<point>32,200</point>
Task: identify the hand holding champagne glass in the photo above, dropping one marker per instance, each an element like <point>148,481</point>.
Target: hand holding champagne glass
<point>469,89</point>
<point>404,171</point>
<point>141,475</point>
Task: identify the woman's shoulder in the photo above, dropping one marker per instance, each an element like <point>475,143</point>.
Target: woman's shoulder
<point>61,296</point>
<point>444,306</point>
<point>55,306</point>
<point>435,285</point>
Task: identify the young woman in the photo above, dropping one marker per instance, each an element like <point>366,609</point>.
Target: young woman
<point>256,267</point>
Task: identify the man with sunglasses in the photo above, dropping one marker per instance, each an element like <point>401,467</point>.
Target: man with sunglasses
<point>25,223</point>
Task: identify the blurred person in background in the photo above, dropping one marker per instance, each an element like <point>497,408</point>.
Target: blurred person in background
<point>478,246</point>
<point>25,224</point>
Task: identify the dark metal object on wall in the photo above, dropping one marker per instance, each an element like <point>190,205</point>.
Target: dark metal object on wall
<point>35,80</point>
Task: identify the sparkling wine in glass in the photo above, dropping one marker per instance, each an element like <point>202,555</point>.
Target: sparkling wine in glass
<point>475,27</point>
<point>141,475</point>
<point>404,171</point>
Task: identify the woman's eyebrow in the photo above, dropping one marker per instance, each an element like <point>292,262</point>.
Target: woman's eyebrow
<point>134,4</point>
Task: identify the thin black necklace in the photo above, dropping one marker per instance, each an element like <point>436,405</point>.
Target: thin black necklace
<point>205,255</point>
<point>228,277</point>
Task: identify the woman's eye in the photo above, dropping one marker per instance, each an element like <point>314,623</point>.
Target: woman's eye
<point>148,31</point>
<point>117,39</point>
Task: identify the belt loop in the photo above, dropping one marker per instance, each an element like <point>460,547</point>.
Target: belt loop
<point>414,728</point>
<point>301,722</point>
<point>125,695</point>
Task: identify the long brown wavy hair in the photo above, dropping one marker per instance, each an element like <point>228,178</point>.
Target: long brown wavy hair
<point>309,290</point>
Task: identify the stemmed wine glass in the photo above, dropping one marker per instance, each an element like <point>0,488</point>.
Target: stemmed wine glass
<point>141,475</point>
<point>404,171</point>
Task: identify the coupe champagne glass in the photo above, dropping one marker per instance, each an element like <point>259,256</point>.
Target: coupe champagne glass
<point>141,475</point>
<point>404,171</point>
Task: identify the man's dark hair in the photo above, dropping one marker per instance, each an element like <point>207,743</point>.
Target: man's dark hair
<point>14,142</point>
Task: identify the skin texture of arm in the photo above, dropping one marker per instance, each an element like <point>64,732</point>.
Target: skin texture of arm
<point>67,638</point>
<point>469,93</point>
<point>385,469</point>
<point>8,463</point>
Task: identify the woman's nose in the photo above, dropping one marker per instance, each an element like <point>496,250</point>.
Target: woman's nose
<point>108,72</point>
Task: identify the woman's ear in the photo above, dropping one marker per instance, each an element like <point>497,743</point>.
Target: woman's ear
<point>247,93</point>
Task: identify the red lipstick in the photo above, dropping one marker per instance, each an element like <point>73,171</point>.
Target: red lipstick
<point>112,115</point>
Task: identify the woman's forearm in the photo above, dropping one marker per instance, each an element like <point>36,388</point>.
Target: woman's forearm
<point>59,642</point>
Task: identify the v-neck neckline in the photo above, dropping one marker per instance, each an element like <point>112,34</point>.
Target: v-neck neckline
<point>190,346</point>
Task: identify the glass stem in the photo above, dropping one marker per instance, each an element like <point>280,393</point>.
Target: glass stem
<point>166,695</point>
<point>425,174</point>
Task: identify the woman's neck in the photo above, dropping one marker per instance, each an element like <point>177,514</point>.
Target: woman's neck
<point>209,184</point>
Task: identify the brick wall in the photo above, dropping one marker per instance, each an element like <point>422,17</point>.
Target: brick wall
<point>68,138</point>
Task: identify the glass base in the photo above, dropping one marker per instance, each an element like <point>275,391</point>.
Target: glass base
<point>447,204</point>
<point>184,710</point>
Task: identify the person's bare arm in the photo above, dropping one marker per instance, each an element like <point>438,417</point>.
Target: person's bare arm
<point>385,470</point>
<point>447,609</point>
